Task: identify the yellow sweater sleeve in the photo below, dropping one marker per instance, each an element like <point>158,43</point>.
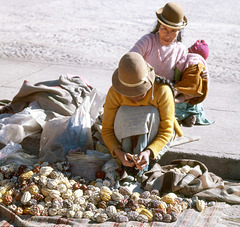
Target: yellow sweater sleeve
<point>163,101</point>
<point>112,103</point>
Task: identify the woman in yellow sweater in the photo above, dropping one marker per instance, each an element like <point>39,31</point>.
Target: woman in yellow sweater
<point>138,121</point>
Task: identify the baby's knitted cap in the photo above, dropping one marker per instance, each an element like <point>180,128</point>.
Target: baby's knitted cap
<point>200,47</point>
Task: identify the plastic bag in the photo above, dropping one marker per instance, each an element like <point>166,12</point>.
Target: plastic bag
<point>13,153</point>
<point>16,127</point>
<point>87,165</point>
<point>110,169</point>
<point>61,135</point>
<point>7,150</point>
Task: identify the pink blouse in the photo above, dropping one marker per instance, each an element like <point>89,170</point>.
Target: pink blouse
<point>162,58</point>
<point>192,59</point>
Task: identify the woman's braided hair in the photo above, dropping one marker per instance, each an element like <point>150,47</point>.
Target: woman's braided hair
<point>163,80</point>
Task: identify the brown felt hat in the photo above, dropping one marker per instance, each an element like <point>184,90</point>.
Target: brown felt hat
<point>134,76</point>
<point>172,16</point>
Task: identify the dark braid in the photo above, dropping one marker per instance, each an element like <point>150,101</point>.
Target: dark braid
<point>163,80</point>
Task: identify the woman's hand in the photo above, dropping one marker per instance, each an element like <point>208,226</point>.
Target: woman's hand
<point>143,159</point>
<point>179,98</point>
<point>125,158</point>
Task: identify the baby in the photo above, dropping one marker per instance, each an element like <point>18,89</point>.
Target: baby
<point>191,83</point>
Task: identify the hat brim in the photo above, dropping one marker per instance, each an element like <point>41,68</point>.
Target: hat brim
<point>183,25</point>
<point>133,91</point>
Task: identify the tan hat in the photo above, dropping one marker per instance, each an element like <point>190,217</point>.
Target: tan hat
<point>172,16</point>
<point>134,76</point>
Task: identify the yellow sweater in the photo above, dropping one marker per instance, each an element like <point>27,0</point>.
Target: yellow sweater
<point>163,101</point>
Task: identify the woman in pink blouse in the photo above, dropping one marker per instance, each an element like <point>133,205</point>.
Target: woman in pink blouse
<point>163,50</point>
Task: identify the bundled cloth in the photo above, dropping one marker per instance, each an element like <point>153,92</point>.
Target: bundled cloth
<point>192,84</point>
<point>62,110</point>
<point>197,182</point>
<point>61,96</point>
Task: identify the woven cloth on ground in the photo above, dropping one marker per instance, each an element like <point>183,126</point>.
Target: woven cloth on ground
<point>189,218</point>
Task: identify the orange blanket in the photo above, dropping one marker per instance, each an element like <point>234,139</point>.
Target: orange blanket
<point>192,84</point>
